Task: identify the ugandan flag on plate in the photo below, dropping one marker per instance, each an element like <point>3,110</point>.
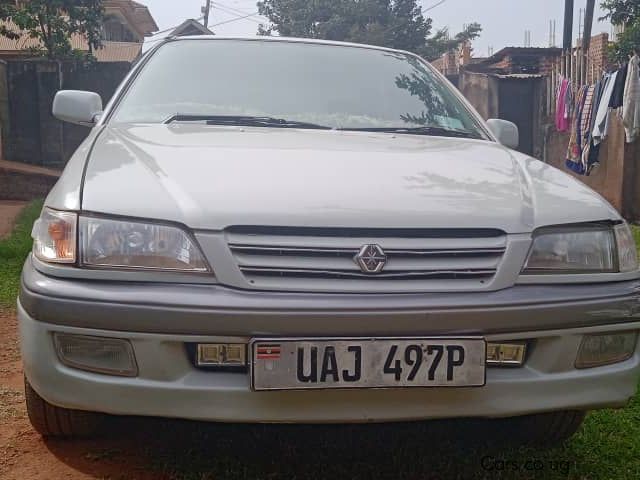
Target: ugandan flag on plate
<point>268,352</point>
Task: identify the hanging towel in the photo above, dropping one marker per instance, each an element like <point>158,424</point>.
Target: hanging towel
<point>601,124</point>
<point>568,104</point>
<point>617,96</point>
<point>631,103</point>
<point>584,132</point>
<point>562,121</point>
<point>597,95</point>
<point>574,150</point>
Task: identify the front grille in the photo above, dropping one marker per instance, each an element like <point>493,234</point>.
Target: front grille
<point>311,259</point>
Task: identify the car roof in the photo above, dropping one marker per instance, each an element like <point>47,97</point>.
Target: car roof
<point>267,38</point>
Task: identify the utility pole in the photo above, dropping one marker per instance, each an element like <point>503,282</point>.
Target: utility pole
<point>586,37</point>
<point>206,11</point>
<point>588,25</point>
<point>567,41</point>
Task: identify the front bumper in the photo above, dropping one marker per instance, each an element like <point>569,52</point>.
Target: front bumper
<point>160,319</point>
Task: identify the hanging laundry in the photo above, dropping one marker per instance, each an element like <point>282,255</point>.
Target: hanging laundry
<point>585,117</point>
<point>588,152</point>
<point>631,102</point>
<point>574,151</point>
<point>601,124</point>
<point>562,117</point>
<point>568,104</point>
<point>597,96</point>
<point>617,95</point>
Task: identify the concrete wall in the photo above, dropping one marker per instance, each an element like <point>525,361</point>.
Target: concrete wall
<point>631,182</point>
<point>31,134</point>
<point>482,92</point>
<point>617,178</point>
<point>518,99</point>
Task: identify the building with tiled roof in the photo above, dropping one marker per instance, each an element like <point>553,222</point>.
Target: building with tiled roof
<point>126,24</point>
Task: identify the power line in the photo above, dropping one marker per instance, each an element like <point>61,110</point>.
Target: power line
<point>235,19</point>
<point>434,6</point>
<point>173,28</point>
<point>235,11</point>
<point>170,29</point>
<point>236,15</point>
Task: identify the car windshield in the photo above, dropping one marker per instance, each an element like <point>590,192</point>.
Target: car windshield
<point>292,84</point>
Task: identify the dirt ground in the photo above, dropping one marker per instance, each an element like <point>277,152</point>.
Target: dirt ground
<point>24,455</point>
<point>8,212</point>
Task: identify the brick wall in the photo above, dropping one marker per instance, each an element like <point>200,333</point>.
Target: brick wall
<point>23,186</point>
<point>535,64</point>
<point>598,55</point>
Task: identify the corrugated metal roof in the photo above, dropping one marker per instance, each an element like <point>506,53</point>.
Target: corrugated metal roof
<point>111,51</point>
<point>138,16</point>
<point>518,75</point>
<point>118,52</point>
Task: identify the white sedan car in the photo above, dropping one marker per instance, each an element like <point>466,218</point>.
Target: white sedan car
<point>282,230</point>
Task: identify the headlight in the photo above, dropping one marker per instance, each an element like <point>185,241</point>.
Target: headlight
<point>108,243</point>
<point>115,244</point>
<point>597,249</point>
<point>54,236</point>
<point>627,249</point>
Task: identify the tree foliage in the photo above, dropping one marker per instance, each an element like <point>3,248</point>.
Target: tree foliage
<point>397,24</point>
<point>53,22</point>
<point>625,13</point>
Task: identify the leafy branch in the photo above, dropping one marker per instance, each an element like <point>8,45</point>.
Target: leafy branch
<point>52,23</point>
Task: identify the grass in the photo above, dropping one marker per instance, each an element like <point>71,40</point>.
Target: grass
<point>607,447</point>
<point>13,251</point>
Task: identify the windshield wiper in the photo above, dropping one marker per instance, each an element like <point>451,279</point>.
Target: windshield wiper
<point>426,130</point>
<point>244,121</point>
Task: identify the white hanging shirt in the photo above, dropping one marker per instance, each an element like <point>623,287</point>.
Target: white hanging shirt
<point>631,101</point>
<point>601,126</point>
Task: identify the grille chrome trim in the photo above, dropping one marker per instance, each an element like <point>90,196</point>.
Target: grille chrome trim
<point>382,276</point>
<point>347,232</point>
<point>294,250</point>
<point>321,262</point>
<point>349,251</point>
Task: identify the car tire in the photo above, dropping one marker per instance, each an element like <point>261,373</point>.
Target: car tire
<point>547,429</point>
<point>51,421</point>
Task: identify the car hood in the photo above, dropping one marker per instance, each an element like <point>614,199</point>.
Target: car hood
<point>211,177</point>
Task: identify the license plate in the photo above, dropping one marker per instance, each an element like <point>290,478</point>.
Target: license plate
<point>307,364</point>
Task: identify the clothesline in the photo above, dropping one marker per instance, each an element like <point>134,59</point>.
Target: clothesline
<point>585,112</point>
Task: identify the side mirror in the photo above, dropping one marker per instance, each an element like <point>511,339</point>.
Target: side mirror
<point>75,106</point>
<point>506,132</point>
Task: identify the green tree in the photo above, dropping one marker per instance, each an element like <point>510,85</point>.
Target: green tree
<point>625,13</point>
<point>53,22</point>
<point>390,23</point>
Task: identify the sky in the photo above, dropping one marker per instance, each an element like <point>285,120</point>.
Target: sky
<point>504,21</point>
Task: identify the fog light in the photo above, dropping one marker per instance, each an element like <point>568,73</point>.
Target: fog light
<point>221,355</point>
<point>111,356</point>
<point>506,354</point>
<point>605,349</point>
